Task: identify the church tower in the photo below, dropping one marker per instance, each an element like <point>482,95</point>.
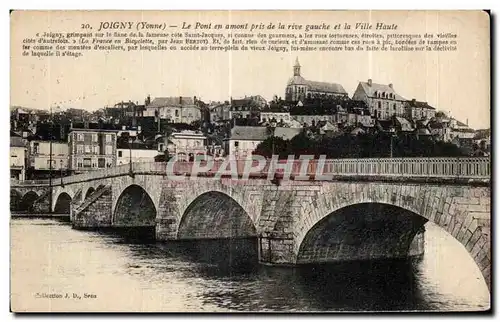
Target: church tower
<point>296,67</point>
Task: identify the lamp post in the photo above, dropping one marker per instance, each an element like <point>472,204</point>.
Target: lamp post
<point>392,132</point>
<point>273,127</point>
<point>50,160</point>
<point>61,168</point>
<point>130,141</point>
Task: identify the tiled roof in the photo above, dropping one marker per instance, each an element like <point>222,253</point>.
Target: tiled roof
<point>419,104</point>
<point>318,86</point>
<point>169,101</point>
<point>286,133</point>
<point>380,88</point>
<point>260,133</point>
<point>464,130</point>
<point>405,124</point>
<point>328,127</point>
<point>326,87</point>
<point>250,133</point>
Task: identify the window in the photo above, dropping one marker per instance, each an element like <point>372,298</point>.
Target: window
<point>176,113</point>
<point>79,163</point>
<point>94,137</point>
<point>96,150</point>
<point>394,106</point>
<point>109,138</point>
<point>120,154</point>
<point>88,149</point>
<point>101,162</point>
<point>87,163</point>
<point>379,104</point>
<point>236,144</point>
<point>79,137</point>
<point>79,149</point>
<point>36,148</point>
<point>109,150</point>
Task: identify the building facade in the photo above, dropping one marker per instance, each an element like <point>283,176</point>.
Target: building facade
<point>39,156</point>
<point>92,149</point>
<point>125,156</point>
<point>382,101</point>
<point>279,117</point>
<point>17,158</point>
<point>416,110</point>
<point>309,120</point>
<point>175,109</point>
<point>186,145</point>
<point>244,140</point>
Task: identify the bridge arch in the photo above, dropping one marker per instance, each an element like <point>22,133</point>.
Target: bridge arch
<point>63,203</point>
<point>15,199</point>
<point>89,191</point>
<point>27,202</point>
<point>68,191</point>
<point>134,208</point>
<point>413,205</point>
<point>215,215</point>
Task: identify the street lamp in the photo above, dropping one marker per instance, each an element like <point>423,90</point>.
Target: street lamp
<point>273,127</point>
<point>130,141</point>
<point>61,168</point>
<point>392,132</point>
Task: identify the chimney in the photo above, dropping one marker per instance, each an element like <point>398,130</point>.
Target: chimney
<point>390,86</point>
<point>194,99</point>
<point>467,122</point>
<point>369,82</point>
<point>148,100</point>
<point>180,100</point>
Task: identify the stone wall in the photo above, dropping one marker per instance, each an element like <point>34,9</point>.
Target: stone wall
<point>98,213</point>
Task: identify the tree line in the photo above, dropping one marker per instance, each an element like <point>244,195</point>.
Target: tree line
<point>360,146</point>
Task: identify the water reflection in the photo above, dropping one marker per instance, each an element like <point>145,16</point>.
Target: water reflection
<point>224,275</point>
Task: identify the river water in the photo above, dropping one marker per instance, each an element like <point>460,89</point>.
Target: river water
<point>107,271</point>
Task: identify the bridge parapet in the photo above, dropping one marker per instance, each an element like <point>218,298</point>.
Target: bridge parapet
<point>477,168</point>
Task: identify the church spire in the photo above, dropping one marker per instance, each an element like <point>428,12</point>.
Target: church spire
<point>296,67</point>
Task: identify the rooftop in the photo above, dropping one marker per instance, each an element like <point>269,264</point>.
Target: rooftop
<point>374,89</point>
<point>419,104</point>
<point>171,101</point>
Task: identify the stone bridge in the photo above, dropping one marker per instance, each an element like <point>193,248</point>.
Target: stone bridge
<point>368,209</point>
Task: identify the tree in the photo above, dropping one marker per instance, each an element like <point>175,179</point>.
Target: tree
<point>265,148</point>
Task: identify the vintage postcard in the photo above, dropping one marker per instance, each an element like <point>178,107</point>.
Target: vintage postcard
<point>250,161</point>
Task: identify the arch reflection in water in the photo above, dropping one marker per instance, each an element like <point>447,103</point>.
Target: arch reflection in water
<point>440,280</point>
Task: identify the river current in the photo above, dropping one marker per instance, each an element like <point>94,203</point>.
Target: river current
<point>56,268</point>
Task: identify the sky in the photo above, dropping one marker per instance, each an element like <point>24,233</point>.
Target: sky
<point>455,82</point>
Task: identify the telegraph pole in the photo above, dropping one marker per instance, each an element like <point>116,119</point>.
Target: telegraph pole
<point>50,160</point>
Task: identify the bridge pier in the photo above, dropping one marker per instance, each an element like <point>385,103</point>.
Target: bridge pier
<point>96,212</point>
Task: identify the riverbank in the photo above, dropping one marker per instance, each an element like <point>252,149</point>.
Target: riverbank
<point>40,215</point>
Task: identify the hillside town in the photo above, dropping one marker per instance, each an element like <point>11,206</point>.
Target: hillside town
<point>56,142</point>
